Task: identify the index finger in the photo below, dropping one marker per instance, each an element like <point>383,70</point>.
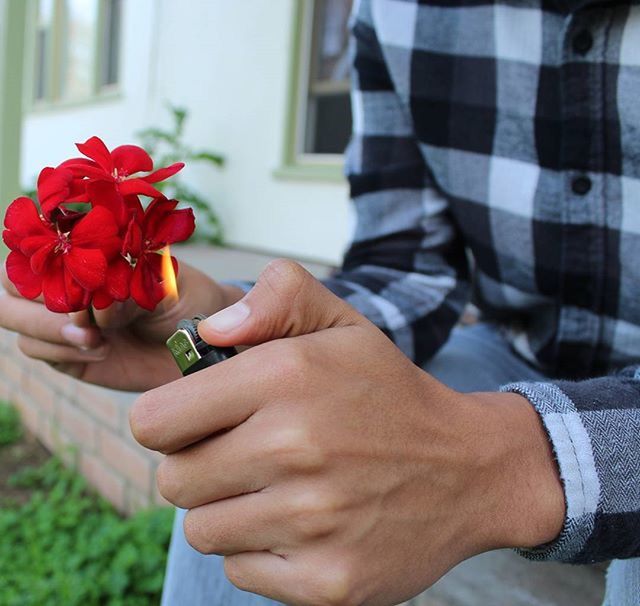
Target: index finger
<point>185,411</point>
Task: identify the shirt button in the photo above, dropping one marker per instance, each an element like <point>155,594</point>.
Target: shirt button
<point>582,42</point>
<point>581,185</point>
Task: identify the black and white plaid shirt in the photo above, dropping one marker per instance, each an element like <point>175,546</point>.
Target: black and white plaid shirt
<point>511,130</point>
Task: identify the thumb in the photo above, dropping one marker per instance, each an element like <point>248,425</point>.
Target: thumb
<point>287,301</point>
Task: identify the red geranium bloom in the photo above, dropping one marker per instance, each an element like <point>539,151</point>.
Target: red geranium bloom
<point>149,232</point>
<point>66,267</point>
<point>119,167</point>
<point>56,186</point>
<point>78,258</point>
<point>116,286</point>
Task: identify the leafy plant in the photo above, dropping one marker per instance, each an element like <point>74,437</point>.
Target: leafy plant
<point>167,147</point>
<point>68,546</point>
<point>10,427</point>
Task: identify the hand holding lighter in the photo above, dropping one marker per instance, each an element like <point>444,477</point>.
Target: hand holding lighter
<point>190,352</point>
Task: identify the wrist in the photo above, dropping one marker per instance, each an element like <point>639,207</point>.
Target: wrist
<point>525,504</point>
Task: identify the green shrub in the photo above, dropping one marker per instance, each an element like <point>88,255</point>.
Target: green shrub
<point>10,427</point>
<point>167,146</point>
<point>68,546</point>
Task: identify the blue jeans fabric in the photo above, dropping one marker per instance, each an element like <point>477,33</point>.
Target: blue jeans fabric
<point>476,358</point>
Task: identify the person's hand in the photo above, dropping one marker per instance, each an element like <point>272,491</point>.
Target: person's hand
<point>328,469</point>
<point>125,350</point>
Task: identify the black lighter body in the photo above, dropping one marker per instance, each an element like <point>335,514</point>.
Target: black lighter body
<point>190,352</point>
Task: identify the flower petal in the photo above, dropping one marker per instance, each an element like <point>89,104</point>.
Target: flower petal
<point>54,188</point>
<point>95,149</point>
<point>23,219</point>
<point>139,187</point>
<point>159,208</point>
<point>163,173</point>
<point>102,299</point>
<point>131,159</point>
<point>105,194</point>
<point>19,271</point>
<point>53,288</point>
<point>66,219</point>
<point>41,256</point>
<point>95,229</point>
<point>81,167</point>
<point>146,282</point>
<point>177,226</point>
<point>132,243</point>
<point>77,297</point>
<point>118,279</point>
<point>11,239</point>
<point>88,267</point>
<point>133,204</point>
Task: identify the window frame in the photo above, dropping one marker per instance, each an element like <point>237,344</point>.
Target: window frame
<point>296,164</point>
<point>53,99</point>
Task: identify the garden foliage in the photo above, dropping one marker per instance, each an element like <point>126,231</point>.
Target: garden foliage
<point>67,546</point>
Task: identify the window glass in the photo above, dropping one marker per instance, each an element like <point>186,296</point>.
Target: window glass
<point>328,110</point>
<point>78,48</point>
<point>111,43</point>
<point>42,48</point>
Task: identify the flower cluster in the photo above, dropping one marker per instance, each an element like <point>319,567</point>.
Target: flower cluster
<point>90,241</point>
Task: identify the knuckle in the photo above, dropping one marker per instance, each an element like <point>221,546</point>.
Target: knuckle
<point>284,367</point>
<point>335,585</point>
<point>284,276</point>
<point>292,447</point>
<point>167,479</point>
<point>313,515</point>
<point>142,420</point>
<point>293,361</point>
<point>193,533</point>
<point>236,573</point>
<point>25,345</point>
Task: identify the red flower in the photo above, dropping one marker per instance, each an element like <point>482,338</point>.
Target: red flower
<point>56,186</point>
<point>148,233</point>
<point>119,166</point>
<point>78,258</point>
<point>66,267</point>
<point>116,286</point>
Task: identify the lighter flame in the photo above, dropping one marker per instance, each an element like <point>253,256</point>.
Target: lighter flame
<point>169,275</point>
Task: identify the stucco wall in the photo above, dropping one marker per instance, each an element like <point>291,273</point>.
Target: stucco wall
<point>228,63</point>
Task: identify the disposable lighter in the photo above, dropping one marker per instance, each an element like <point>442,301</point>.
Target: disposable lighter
<point>190,352</point>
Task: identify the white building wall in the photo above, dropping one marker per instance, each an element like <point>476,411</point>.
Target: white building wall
<point>227,62</point>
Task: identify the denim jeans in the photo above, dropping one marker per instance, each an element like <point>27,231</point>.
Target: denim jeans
<point>476,358</point>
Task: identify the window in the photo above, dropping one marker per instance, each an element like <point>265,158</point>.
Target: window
<point>319,111</point>
<point>328,110</point>
<point>110,43</point>
<point>76,49</point>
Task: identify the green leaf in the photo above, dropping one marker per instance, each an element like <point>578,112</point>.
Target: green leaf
<point>167,147</point>
<point>10,427</point>
<point>206,156</point>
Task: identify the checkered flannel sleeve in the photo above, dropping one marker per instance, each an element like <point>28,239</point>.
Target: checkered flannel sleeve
<point>406,269</point>
<point>594,428</point>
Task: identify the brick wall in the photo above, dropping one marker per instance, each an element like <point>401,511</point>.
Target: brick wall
<point>62,412</point>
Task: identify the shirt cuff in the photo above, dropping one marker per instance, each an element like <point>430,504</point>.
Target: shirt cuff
<point>573,452</point>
